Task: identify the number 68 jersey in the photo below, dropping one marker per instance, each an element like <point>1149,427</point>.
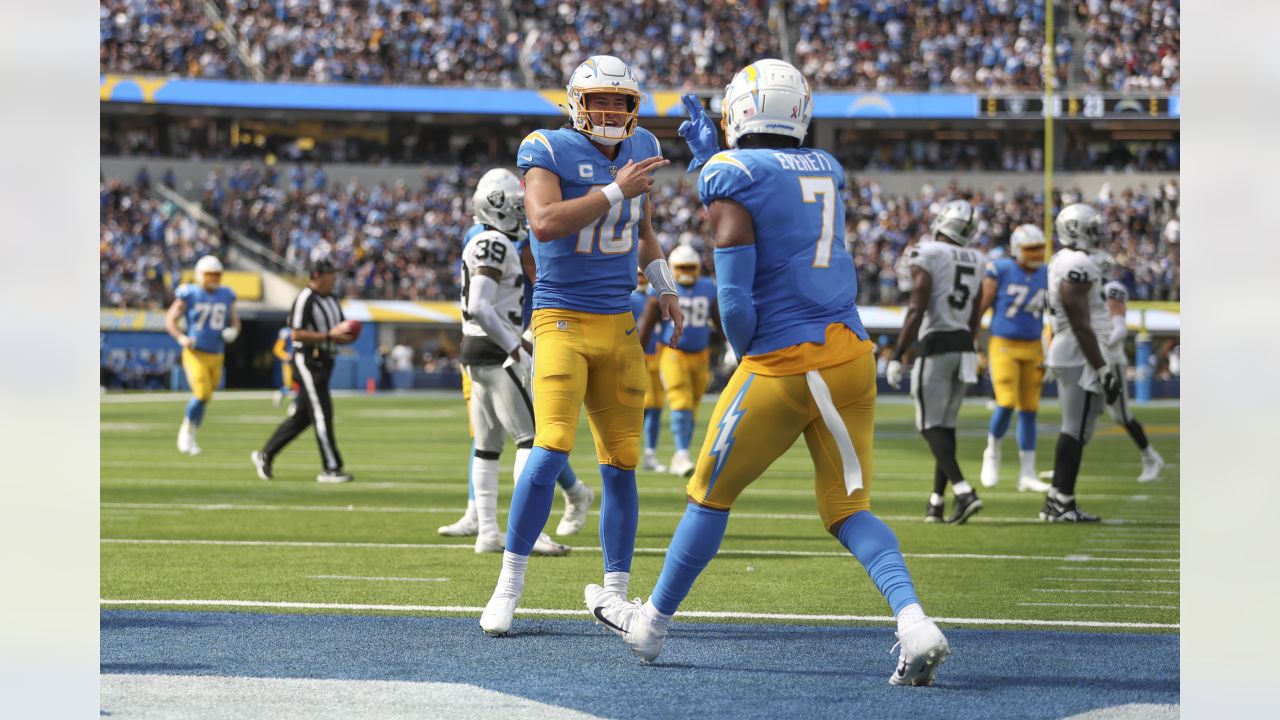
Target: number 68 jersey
<point>492,249</point>
<point>957,277</point>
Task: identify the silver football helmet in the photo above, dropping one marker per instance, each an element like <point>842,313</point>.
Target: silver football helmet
<point>956,222</point>
<point>1080,227</point>
<point>499,201</point>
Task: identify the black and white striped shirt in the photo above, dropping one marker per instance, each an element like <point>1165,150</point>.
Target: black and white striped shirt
<point>317,313</point>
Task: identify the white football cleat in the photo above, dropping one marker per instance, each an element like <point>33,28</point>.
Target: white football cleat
<point>261,464</point>
<point>576,506</point>
<point>990,475</point>
<point>631,621</point>
<point>546,546</point>
<point>1028,483</point>
<point>649,461</point>
<point>466,526</point>
<point>192,447</point>
<point>498,614</point>
<point>924,648</point>
<point>486,543</point>
<point>335,476</point>
<point>1151,467</point>
<point>681,464</point>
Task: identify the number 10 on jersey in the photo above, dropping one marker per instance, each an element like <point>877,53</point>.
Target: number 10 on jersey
<point>612,232</point>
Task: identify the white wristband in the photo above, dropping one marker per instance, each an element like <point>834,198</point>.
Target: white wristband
<point>613,193</point>
<point>658,273</point>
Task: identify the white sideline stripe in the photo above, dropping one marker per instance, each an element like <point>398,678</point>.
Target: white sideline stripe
<point>363,577</point>
<point>1113,580</point>
<point>576,612</point>
<point>588,548</point>
<point>1115,569</point>
<point>1105,592</point>
<point>1137,551</point>
<point>1101,605</point>
<point>1134,538</point>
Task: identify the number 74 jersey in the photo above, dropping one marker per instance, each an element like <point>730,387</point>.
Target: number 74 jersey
<point>957,277</point>
<point>1017,313</point>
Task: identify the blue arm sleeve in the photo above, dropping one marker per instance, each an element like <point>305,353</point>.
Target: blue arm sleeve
<point>735,276</point>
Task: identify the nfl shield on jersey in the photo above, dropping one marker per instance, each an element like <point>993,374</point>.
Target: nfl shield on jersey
<point>593,270</point>
<point>207,314</point>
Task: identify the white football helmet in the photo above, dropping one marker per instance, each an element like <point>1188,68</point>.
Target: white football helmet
<point>767,96</point>
<point>1027,244</point>
<point>603,74</point>
<point>1080,227</point>
<point>499,201</point>
<point>685,264</point>
<point>956,222</point>
<point>207,264</point>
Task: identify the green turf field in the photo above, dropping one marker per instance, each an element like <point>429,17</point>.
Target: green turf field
<point>167,519</point>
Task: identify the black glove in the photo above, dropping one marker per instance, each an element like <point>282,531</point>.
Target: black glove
<point>1112,385</point>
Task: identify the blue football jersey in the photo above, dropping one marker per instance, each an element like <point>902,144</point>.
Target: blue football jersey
<point>1020,297</point>
<point>207,314</point>
<point>805,279</point>
<point>593,270</point>
<point>695,304</point>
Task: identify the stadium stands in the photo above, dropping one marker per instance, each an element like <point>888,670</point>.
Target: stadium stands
<point>1131,45</point>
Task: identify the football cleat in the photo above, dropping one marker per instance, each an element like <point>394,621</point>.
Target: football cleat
<point>650,462</point>
<point>486,543</point>
<point>966,504</point>
<point>1151,467</point>
<point>261,463</point>
<point>1028,483</point>
<point>933,513</point>
<point>681,464</point>
<point>924,648</point>
<point>334,476</point>
<point>990,475</point>
<point>465,527</point>
<point>1055,510</point>
<point>496,619</point>
<point>544,545</point>
<point>576,506</point>
<point>643,633</point>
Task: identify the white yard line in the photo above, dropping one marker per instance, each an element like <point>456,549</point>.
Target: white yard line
<point>1133,539</point>
<point>1105,592</point>
<point>1137,551</point>
<point>579,612</point>
<point>383,579</point>
<point>1113,580</point>
<point>1090,568</point>
<point>1100,605</point>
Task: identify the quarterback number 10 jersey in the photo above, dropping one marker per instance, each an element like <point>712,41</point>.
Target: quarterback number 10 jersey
<point>492,249</point>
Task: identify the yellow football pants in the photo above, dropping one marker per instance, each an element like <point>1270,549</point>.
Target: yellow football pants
<point>1017,372</point>
<point>758,418</point>
<point>579,358</point>
<point>653,393</point>
<point>466,398</point>
<point>203,370</point>
<point>684,377</point>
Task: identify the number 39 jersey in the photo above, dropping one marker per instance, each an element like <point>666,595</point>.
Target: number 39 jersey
<point>1074,266</point>
<point>594,269</point>
<point>805,279</point>
<point>956,280</point>
<point>492,249</point>
<point>207,314</point>
<point>1020,297</point>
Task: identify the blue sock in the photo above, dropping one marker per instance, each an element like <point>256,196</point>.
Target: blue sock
<point>567,477</point>
<point>876,547</point>
<point>1026,430</point>
<point>619,517</point>
<point>195,411</point>
<point>652,424</point>
<point>696,541</point>
<point>1000,421</point>
<point>682,428</point>
<point>531,501</point>
<point>471,490</point>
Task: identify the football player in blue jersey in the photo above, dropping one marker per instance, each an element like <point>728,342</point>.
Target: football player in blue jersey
<point>685,366</point>
<point>653,392</point>
<point>786,294</point>
<point>282,351</point>
<point>577,495</point>
<point>586,196</point>
<point>1018,287</point>
<point>211,321</point>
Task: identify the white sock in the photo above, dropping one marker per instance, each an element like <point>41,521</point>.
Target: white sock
<point>522,457</point>
<point>471,510</point>
<point>575,491</point>
<point>656,616</point>
<point>511,579</point>
<point>1149,454</point>
<point>617,583</point>
<point>1028,460</point>
<point>937,500</point>
<point>910,615</point>
<point>185,427</point>
<point>993,442</point>
<point>484,481</point>
<point>1061,496</point>
<point>963,487</point>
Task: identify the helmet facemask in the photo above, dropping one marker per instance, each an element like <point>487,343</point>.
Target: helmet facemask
<point>604,133</point>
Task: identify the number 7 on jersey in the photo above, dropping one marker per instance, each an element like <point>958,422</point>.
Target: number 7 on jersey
<point>823,190</point>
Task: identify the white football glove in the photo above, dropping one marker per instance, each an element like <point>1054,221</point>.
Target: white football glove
<point>893,374</point>
<point>1049,377</point>
<point>229,334</point>
<point>522,367</point>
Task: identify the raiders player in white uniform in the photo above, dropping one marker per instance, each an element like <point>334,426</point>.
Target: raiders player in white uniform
<point>1117,297</point>
<point>943,312</point>
<point>1079,318</point>
<point>493,354</point>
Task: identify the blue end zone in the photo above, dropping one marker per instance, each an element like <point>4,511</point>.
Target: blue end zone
<point>743,671</point>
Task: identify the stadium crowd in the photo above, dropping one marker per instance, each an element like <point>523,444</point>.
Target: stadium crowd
<point>874,45</point>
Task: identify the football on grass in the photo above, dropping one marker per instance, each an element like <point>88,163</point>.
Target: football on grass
<point>348,327</point>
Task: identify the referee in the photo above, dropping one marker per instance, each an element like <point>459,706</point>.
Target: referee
<point>314,321</point>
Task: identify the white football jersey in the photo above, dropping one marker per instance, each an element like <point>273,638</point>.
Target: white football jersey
<point>1114,290</point>
<point>957,280</point>
<point>1074,266</point>
<point>492,249</point>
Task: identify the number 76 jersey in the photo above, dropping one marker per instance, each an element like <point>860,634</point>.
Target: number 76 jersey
<point>208,312</point>
<point>957,277</point>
